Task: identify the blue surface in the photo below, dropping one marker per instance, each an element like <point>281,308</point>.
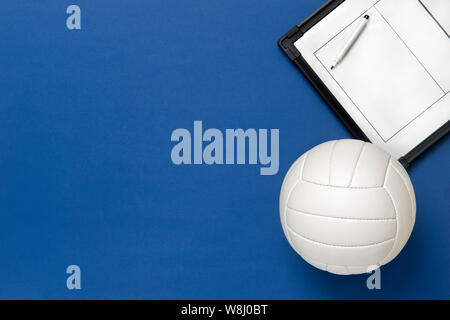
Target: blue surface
<point>85,170</point>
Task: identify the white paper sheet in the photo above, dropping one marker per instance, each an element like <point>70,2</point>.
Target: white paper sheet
<point>395,81</point>
<point>440,10</point>
<point>421,34</point>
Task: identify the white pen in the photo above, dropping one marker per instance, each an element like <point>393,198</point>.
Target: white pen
<point>351,41</point>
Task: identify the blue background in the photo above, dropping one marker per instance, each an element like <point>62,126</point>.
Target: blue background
<point>86,176</point>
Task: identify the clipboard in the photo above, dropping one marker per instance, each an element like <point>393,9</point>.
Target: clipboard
<point>287,44</point>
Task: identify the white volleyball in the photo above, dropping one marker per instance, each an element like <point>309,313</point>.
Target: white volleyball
<point>347,207</point>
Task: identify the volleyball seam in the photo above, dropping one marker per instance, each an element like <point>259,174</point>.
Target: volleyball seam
<point>338,246</point>
<point>341,218</point>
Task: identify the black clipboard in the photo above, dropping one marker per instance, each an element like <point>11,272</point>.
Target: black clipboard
<point>286,43</point>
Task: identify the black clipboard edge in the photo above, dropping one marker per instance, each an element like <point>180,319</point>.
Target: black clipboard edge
<point>286,43</point>
<point>425,145</point>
